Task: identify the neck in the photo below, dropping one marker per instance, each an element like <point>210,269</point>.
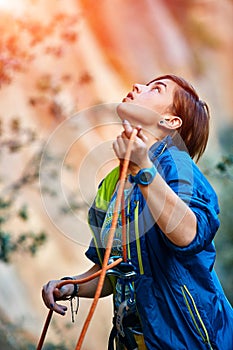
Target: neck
<point>156,135</point>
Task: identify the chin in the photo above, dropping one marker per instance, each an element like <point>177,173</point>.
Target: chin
<point>121,110</point>
<point>131,112</point>
<point>136,114</point>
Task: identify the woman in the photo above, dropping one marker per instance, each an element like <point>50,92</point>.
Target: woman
<point>172,217</point>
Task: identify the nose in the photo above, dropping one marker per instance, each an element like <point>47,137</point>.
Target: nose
<point>138,88</point>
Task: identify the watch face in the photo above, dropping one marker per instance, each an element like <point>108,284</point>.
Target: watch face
<point>145,177</point>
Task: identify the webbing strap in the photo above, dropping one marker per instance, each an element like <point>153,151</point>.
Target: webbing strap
<point>139,253</point>
<point>128,340</point>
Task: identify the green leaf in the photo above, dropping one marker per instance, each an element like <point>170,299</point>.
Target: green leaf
<point>23,213</point>
<point>4,203</point>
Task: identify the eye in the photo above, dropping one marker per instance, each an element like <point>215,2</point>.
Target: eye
<point>156,88</point>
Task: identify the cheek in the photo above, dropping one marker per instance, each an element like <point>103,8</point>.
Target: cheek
<point>157,104</point>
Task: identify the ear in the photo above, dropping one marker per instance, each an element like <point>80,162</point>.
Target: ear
<point>171,122</point>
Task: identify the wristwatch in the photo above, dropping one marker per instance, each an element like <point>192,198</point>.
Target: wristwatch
<point>144,176</point>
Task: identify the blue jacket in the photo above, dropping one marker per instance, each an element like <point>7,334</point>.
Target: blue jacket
<point>180,301</point>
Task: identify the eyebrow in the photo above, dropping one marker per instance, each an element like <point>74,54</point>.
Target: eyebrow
<point>157,83</point>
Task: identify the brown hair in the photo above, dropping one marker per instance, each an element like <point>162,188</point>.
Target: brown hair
<point>194,113</point>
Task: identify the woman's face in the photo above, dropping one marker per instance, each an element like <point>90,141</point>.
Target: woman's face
<point>145,104</point>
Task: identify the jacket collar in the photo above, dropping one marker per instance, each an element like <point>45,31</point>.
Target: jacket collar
<point>159,147</point>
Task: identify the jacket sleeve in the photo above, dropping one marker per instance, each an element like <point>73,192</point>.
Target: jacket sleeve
<point>186,180</point>
<point>95,251</point>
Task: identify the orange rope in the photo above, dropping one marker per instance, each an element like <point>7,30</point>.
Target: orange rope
<point>91,277</point>
<point>105,266</point>
<point>99,288</point>
<point>63,283</point>
<point>46,326</point>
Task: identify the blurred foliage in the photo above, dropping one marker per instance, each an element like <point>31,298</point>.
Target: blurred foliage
<point>23,41</point>
<point>220,175</point>
<point>224,238</point>
<point>50,346</point>
<point>225,166</point>
<point>14,212</point>
<point>47,346</point>
<point>12,337</point>
<point>25,242</point>
<point>15,140</point>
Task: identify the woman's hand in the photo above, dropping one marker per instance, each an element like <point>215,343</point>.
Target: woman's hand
<point>50,294</point>
<point>139,155</point>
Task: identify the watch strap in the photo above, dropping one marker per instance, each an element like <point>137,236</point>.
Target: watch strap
<point>144,177</point>
<point>76,286</point>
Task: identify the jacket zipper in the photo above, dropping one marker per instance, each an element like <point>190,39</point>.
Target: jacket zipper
<point>191,305</point>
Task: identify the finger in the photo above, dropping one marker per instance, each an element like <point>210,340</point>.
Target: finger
<point>63,292</point>
<point>122,142</point>
<point>123,135</point>
<point>127,128</point>
<point>47,295</point>
<point>60,309</point>
<point>115,148</point>
<point>59,294</point>
<point>141,135</point>
<point>123,145</point>
<point>139,128</point>
<point>49,300</point>
<point>119,147</point>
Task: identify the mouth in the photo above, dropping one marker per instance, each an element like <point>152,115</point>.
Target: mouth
<point>128,97</point>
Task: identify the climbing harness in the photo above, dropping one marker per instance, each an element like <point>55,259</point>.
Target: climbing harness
<point>105,265</point>
<point>125,305</point>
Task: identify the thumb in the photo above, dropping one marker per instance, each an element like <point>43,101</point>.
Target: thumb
<point>59,293</point>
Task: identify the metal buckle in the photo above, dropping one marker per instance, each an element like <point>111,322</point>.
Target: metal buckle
<point>124,270</point>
